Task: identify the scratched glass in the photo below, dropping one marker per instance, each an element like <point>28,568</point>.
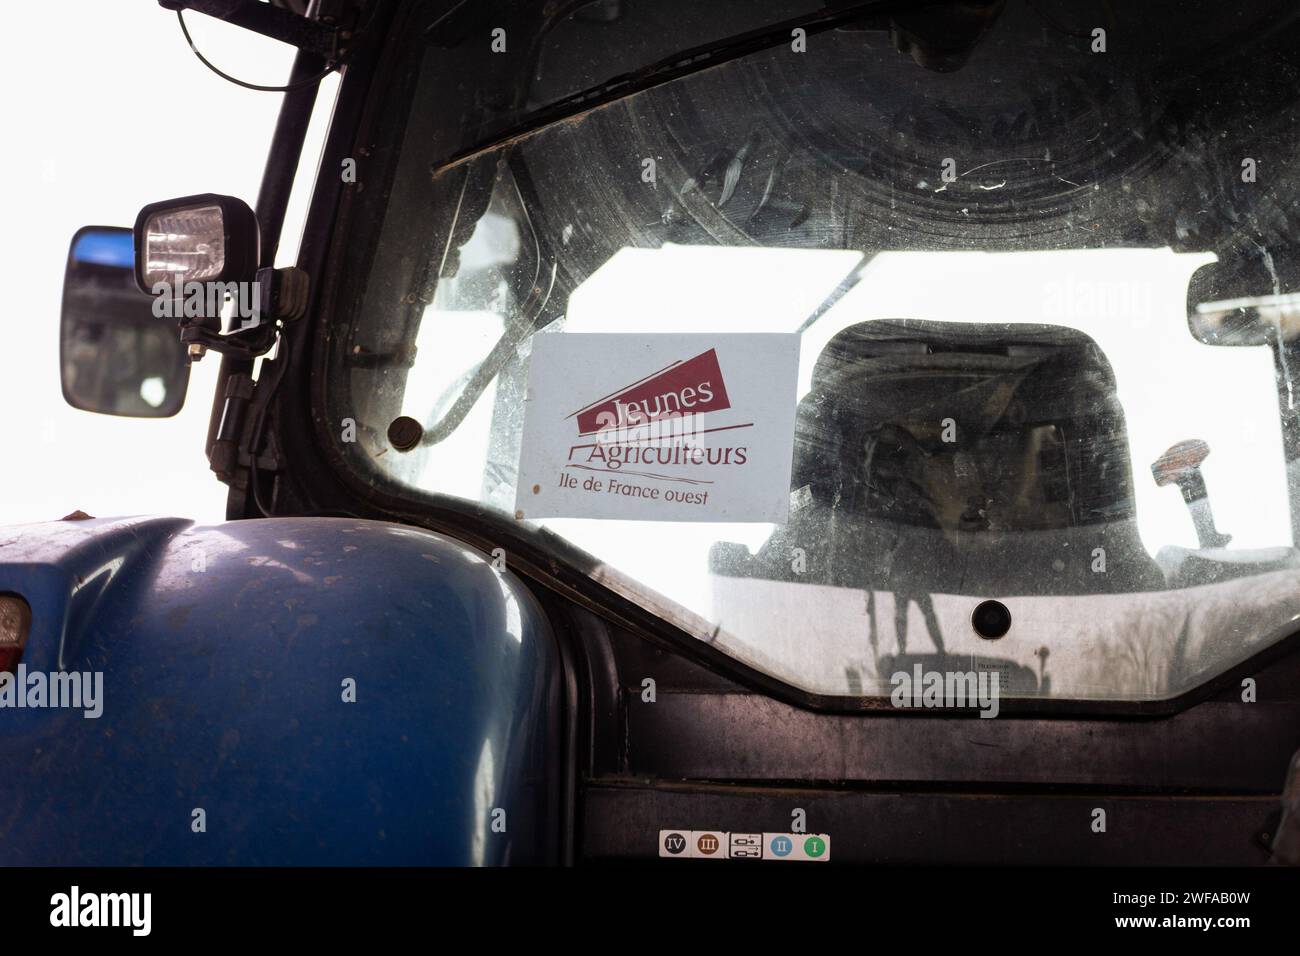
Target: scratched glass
<point>1048,333</point>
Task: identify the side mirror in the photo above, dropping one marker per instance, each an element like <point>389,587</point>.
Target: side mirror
<point>1234,304</point>
<point>116,357</point>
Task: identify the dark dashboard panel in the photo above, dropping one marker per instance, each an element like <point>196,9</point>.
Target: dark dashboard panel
<point>623,822</point>
<point>1199,787</point>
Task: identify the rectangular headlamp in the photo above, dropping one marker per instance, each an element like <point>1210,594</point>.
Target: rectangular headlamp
<point>204,238</point>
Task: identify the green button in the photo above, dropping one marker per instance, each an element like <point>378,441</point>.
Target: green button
<point>814,846</point>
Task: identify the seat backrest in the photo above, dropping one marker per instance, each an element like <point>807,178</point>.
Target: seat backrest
<point>996,441</point>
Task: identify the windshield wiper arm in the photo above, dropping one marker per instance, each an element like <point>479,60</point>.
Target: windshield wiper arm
<point>840,291</point>
<point>685,63</point>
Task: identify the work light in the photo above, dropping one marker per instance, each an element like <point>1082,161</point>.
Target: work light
<point>205,238</point>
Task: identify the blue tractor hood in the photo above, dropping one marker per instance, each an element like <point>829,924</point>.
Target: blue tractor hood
<point>285,691</point>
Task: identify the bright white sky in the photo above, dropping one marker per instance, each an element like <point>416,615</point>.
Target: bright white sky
<point>104,110</point>
<point>142,120</point>
<point>1132,302</point>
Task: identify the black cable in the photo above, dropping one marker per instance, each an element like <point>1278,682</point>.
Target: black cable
<point>278,371</point>
<point>255,439</point>
<point>314,78</point>
<point>330,66</point>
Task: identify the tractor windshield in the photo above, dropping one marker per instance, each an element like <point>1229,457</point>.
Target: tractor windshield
<point>1034,264</point>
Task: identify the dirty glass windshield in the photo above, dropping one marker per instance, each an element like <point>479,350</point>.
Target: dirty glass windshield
<point>1037,268</point>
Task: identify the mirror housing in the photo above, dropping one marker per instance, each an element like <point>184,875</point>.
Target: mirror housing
<point>115,356</point>
<point>1249,320</point>
<point>1234,303</point>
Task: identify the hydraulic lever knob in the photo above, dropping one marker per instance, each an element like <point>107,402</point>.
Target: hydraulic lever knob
<point>1181,465</point>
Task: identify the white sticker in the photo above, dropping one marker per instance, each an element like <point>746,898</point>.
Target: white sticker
<point>690,427</point>
<point>721,845</point>
<point>745,846</point>
<point>675,843</point>
<point>797,846</point>
<point>708,845</point>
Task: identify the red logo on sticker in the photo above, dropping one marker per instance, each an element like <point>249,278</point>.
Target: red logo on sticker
<point>683,388</point>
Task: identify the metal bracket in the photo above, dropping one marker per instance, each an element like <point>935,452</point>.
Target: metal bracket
<point>282,297</point>
<point>274,22</point>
